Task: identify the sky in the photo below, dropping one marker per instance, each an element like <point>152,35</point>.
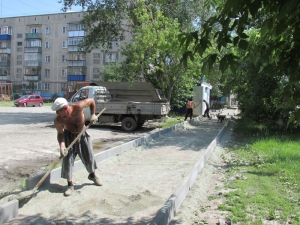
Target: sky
<point>15,8</point>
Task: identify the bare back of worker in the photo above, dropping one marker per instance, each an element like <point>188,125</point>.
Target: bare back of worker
<point>190,104</point>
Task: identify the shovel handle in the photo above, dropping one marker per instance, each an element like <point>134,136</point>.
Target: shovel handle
<point>58,160</point>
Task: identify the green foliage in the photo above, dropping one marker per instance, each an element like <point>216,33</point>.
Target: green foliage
<point>54,97</point>
<point>115,72</point>
<point>28,88</point>
<point>16,96</point>
<point>154,54</point>
<point>217,105</point>
<point>11,104</point>
<point>273,51</point>
<point>170,121</point>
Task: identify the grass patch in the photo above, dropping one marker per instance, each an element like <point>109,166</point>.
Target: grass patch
<point>170,121</point>
<point>11,103</point>
<point>265,166</point>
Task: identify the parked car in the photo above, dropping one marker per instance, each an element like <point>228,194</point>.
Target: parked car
<point>29,100</point>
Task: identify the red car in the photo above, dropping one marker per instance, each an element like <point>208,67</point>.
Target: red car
<point>29,100</point>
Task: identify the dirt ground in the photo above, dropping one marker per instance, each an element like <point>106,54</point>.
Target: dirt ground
<point>200,206</point>
<point>28,146</point>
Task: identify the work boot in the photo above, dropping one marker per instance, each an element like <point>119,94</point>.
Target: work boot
<point>96,180</point>
<point>69,191</point>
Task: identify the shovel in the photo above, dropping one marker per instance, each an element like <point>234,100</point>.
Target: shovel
<point>29,193</point>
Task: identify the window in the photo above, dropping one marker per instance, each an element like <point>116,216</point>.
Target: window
<point>3,71</point>
<point>46,86</point>
<point>112,44</point>
<point>74,40</point>
<point>63,87</point>
<point>5,30</point>
<point>19,35</point>
<point>33,43</point>
<point>35,30</point>
<point>19,57</point>
<point>32,56</point>
<point>64,30</point>
<point>96,70</point>
<point>48,30</point>
<point>4,45</point>
<point>47,58</point>
<point>19,62</point>
<point>39,86</point>
<point>111,57</point>
<point>63,73</point>
<point>47,72</point>
<point>96,61</point>
<point>3,58</point>
<point>47,44</point>
<point>96,76</point>
<point>96,55</point>
<point>64,44</point>
<point>96,73</point>
<point>19,49</point>
<point>19,72</point>
<point>63,58</point>
<point>19,43</point>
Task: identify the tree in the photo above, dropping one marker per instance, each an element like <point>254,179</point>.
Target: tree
<point>153,55</point>
<point>277,44</point>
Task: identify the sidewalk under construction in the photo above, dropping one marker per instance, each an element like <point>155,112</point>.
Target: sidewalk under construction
<point>144,181</point>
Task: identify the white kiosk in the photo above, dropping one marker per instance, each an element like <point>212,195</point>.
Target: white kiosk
<point>201,92</point>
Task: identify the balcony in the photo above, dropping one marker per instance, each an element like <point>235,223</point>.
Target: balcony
<point>32,71</point>
<point>4,64</point>
<point>76,33</point>
<point>32,63</point>
<point>32,77</point>
<point>4,77</point>
<point>76,63</point>
<point>5,50</point>
<point>33,50</point>
<point>5,37</point>
<point>76,77</point>
<point>75,48</point>
<point>33,36</point>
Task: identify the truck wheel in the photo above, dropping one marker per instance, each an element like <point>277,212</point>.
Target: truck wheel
<point>129,124</point>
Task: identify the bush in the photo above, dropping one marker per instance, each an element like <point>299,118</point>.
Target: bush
<point>54,97</point>
<point>15,96</point>
<point>217,105</point>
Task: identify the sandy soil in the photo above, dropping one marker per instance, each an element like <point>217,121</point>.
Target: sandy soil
<point>29,144</point>
<point>125,198</point>
<point>201,204</point>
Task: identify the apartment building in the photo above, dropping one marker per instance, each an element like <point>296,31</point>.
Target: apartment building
<point>43,50</point>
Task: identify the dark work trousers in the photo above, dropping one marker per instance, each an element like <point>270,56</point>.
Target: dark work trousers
<point>189,112</point>
<point>83,148</point>
<point>206,113</point>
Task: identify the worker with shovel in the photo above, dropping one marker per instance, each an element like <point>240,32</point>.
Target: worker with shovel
<point>206,112</point>
<point>189,109</point>
<point>69,122</point>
